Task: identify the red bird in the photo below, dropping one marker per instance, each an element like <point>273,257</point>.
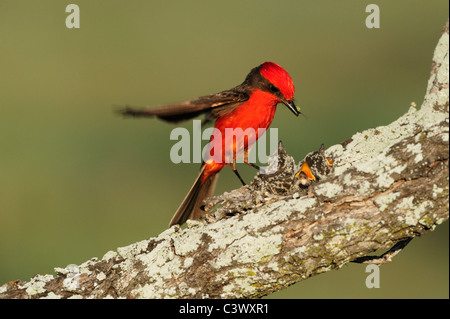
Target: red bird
<point>250,105</point>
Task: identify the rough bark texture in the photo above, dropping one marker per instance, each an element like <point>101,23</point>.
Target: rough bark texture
<point>388,184</point>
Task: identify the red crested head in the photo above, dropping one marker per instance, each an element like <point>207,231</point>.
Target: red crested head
<point>272,78</point>
<point>279,77</point>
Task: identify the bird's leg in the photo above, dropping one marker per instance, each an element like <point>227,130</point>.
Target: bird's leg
<point>246,159</point>
<point>233,168</point>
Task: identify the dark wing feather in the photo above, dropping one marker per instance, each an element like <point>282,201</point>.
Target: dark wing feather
<point>214,106</point>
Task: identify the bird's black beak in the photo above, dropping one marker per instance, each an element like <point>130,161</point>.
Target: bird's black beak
<point>291,106</point>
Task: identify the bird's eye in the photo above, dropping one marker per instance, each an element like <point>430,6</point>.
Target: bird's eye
<point>273,89</point>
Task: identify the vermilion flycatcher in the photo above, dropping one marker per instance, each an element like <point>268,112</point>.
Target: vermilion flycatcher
<point>250,105</point>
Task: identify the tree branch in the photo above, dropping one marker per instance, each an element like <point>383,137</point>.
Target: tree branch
<point>388,185</point>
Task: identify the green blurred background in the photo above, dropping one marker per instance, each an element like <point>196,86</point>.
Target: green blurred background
<point>76,180</point>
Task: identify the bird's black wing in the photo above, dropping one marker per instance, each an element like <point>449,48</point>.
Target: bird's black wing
<point>214,106</point>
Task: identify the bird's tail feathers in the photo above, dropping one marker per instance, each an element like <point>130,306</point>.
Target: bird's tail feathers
<point>190,208</point>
